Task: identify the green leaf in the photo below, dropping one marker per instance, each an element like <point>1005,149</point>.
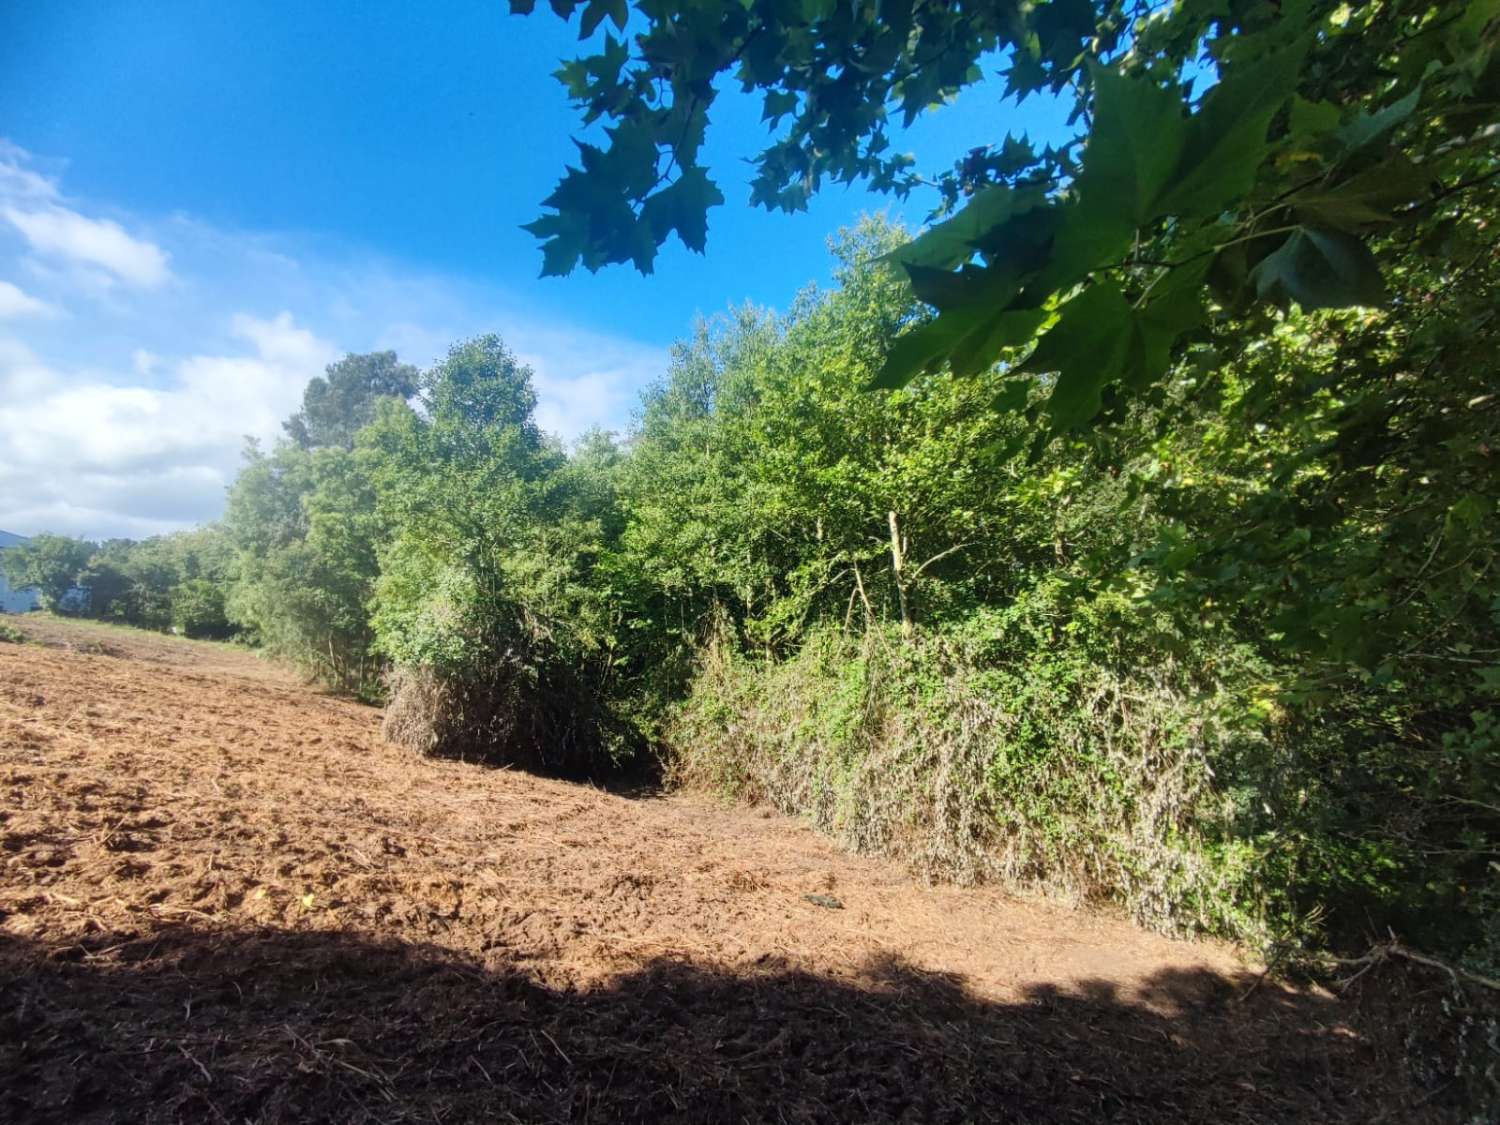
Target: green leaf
<point>1176,302</point>
<point>1369,197</point>
<point>982,345</point>
<point>564,245</point>
<point>1100,340</point>
<point>944,288</point>
<point>593,16</point>
<point>1087,348</point>
<point>584,191</point>
<point>1023,243</point>
<point>970,338</point>
<point>1369,127</point>
<point>1176,306</point>
<point>953,242</point>
<point>1134,146</point>
<point>1088,236</point>
<point>683,207</point>
<point>778,104</point>
<point>1320,268</point>
<point>1469,512</point>
<point>994,286</point>
<point>1228,134</point>
<point>574,75</point>
<point>1312,120</point>
<point>918,351</point>
<point>1013,395</point>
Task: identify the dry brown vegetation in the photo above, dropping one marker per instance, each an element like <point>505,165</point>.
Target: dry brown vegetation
<point>225,898</point>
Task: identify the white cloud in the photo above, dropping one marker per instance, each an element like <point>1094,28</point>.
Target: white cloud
<point>584,381</point>
<point>15,302</point>
<point>92,457</point>
<point>59,232</point>
<point>22,373</point>
<point>280,341</point>
<point>126,415</point>
<point>19,180</point>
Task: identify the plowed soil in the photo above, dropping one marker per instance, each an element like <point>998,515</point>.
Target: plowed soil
<point>224,898</point>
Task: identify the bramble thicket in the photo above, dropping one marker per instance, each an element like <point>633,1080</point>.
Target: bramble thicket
<point>1130,533</point>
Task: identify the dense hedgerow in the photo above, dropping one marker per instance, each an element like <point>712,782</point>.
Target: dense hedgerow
<point>178,581</point>
<point>1228,664</point>
<point>1050,772</point>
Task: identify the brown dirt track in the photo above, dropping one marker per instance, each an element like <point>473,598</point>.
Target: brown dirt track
<point>225,899</point>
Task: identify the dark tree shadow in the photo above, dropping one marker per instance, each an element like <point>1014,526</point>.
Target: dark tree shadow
<point>203,1025</point>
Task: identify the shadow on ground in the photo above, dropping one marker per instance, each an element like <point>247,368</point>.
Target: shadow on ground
<point>190,1024</point>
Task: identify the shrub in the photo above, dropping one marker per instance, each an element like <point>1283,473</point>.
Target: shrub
<point>198,609</point>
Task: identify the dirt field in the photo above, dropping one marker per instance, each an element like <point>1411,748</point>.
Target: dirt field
<point>225,899</point>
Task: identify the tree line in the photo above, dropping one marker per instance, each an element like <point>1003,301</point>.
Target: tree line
<point>167,582</point>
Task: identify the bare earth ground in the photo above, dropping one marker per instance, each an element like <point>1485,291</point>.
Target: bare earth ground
<point>224,898</point>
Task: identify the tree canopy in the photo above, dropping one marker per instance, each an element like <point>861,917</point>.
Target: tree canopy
<point>340,403</point>
<point>1227,156</point>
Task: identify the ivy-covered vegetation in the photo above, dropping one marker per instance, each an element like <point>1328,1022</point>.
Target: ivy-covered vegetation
<point>1233,667</point>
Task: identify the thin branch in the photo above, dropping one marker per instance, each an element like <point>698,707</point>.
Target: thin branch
<point>940,555</point>
<point>1475,804</point>
<point>1393,948</point>
<point>860,584</point>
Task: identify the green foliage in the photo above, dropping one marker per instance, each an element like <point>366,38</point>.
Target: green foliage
<point>766,480</point>
<point>1310,491</point>
<point>138,583</point>
<point>198,609</point>
<point>1166,188</point>
<point>1191,606</point>
<point>485,600</point>
<point>975,757</point>
<point>832,71</point>
<point>338,405</point>
<point>1226,661</point>
<point>50,563</point>
<point>304,528</point>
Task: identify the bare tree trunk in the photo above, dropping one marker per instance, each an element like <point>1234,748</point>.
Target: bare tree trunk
<point>898,565</point>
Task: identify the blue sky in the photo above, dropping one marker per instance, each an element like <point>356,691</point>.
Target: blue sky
<point>201,204</point>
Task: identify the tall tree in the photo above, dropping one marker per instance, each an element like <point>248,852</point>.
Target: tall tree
<point>303,523</point>
<point>336,406</point>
